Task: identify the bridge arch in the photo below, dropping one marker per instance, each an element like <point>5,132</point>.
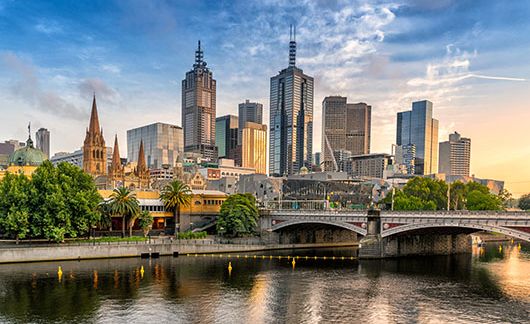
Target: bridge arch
<point>481,227</point>
<point>351,227</point>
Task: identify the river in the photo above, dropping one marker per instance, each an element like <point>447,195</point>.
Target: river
<point>488,286</point>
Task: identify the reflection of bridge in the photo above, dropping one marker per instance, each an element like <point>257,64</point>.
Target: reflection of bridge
<point>390,225</point>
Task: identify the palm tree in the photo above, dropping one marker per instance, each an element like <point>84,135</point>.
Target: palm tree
<point>125,203</point>
<point>176,194</point>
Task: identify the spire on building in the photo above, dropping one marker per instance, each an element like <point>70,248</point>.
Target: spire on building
<point>142,166</point>
<point>116,160</point>
<point>94,120</point>
<point>292,46</point>
<point>199,55</point>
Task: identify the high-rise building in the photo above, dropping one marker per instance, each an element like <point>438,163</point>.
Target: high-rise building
<point>317,158</point>
<point>94,150</point>
<point>368,165</point>
<point>345,127</point>
<point>455,155</point>
<point>43,141</point>
<point>162,144</point>
<point>249,112</point>
<point>226,129</point>
<point>405,158</point>
<point>198,109</point>
<point>417,127</point>
<point>254,147</point>
<point>291,118</point>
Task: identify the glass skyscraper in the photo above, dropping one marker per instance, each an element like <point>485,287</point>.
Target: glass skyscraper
<point>226,130</point>
<point>162,144</point>
<point>249,112</point>
<point>291,118</point>
<point>417,127</point>
<point>43,141</point>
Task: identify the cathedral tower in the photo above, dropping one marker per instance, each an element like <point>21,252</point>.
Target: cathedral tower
<point>94,150</point>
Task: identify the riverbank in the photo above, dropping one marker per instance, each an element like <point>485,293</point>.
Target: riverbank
<point>107,251</point>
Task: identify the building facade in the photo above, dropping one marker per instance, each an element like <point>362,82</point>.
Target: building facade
<point>162,144</point>
<point>369,165</point>
<point>76,157</point>
<point>345,127</point>
<point>199,109</point>
<point>254,147</point>
<point>43,141</point>
<point>226,130</point>
<point>405,158</point>
<point>134,176</point>
<point>291,118</point>
<point>417,127</point>
<point>94,150</point>
<point>249,112</point>
<point>455,156</point>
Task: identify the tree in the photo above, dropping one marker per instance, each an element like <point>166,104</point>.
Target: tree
<point>175,195</point>
<point>105,210</point>
<point>145,221</point>
<point>506,198</point>
<point>458,196</point>
<point>524,202</point>
<point>124,203</point>
<point>403,201</point>
<point>238,215</point>
<point>478,200</point>
<point>427,190</point>
<point>15,193</point>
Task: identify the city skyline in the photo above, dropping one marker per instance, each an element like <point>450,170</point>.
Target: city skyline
<point>364,50</point>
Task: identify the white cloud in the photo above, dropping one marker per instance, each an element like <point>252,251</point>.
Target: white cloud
<point>48,27</point>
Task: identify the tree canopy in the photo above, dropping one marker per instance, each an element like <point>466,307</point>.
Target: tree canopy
<point>238,216</point>
<point>123,202</point>
<point>175,195</point>
<point>524,202</point>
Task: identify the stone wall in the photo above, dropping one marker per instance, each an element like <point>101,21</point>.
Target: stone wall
<point>433,244</point>
<point>319,235</point>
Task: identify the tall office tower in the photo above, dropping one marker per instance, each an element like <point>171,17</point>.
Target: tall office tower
<point>94,150</point>
<point>254,147</point>
<point>317,158</point>
<point>226,129</point>
<point>455,155</point>
<point>417,127</point>
<point>345,127</point>
<point>249,112</point>
<point>291,118</point>
<point>198,109</point>
<point>43,141</point>
<point>405,158</point>
<point>162,144</point>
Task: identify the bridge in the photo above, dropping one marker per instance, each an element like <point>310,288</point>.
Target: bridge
<point>395,231</point>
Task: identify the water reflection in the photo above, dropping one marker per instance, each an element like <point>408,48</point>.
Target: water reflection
<point>491,283</point>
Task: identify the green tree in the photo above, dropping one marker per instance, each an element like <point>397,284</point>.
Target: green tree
<point>125,204</point>
<point>524,202</point>
<point>238,216</point>
<point>175,195</point>
<point>145,221</point>
<point>403,201</point>
<point>478,200</point>
<point>427,190</point>
<point>506,198</point>
<point>106,212</point>
<point>15,193</point>
<point>458,195</point>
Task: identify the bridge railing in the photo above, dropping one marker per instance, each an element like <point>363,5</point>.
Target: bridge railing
<point>309,205</point>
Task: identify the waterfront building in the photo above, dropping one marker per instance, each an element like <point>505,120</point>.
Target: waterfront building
<point>199,109</point>
<point>94,149</point>
<point>43,141</point>
<point>162,143</point>
<point>226,130</point>
<point>225,167</point>
<point>417,127</point>
<point>291,118</point>
<point>254,147</point>
<point>369,165</point>
<point>455,155</point>
<point>249,112</point>
<point>345,127</point>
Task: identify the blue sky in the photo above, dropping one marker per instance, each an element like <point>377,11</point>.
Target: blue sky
<point>469,57</point>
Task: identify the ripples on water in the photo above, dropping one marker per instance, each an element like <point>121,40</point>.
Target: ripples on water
<point>489,286</point>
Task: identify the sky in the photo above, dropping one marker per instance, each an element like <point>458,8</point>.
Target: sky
<point>469,57</point>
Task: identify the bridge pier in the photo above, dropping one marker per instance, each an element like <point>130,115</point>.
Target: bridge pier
<point>370,246</point>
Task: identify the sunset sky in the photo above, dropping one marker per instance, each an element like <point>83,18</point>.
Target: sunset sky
<point>471,58</point>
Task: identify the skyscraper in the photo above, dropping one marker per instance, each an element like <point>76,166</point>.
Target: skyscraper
<point>249,112</point>
<point>345,127</point>
<point>43,141</point>
<point>417,127</point>
<point>162,144</point>
<point>455,155</point>
<point>198,109</point>
<point>226,129</point>
<point>291,118</point>
<point>94,150</point>
<point>254,147</point>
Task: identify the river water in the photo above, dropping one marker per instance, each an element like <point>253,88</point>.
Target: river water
<point>488,286</point>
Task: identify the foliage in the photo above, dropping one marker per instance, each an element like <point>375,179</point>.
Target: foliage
<point>189,235</point>
<point>175,195</point>
<point>105,210</point>
<point>524,202</point>
<point>106,239</point>
<point>506,198</point>
<point>145,221</point>
<point>404,202</point>
<point>15,194</point>
<point>479,200</point>
<point>238,216</point>
<point>124,203</point>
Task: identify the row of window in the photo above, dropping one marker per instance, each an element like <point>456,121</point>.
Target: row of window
<point>153,208</point>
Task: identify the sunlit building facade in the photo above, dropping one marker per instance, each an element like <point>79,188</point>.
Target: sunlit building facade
<point>226,130</point>
<point>455,155</point>
<point>254,147</point>
<point>249,112</point>
<point>43,141</point>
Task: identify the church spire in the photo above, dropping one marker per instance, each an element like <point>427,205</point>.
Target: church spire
<point>116,160</point>
<point>94,120</point>
<point>142,166</point>
<point>292,46</point>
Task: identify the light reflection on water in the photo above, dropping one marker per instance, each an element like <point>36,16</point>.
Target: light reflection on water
<point>488,286</point>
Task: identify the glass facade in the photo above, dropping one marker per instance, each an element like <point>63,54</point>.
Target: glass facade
<point>419,128</point>
<point>249,112</point>
<point>254,147</point>
<point>162,144</point>
<point>226,131</point>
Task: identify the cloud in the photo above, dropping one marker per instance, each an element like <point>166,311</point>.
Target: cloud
<point>89,87</point>
<point>48,27</point>
<point>28,88</point>
<point>111,68</point>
